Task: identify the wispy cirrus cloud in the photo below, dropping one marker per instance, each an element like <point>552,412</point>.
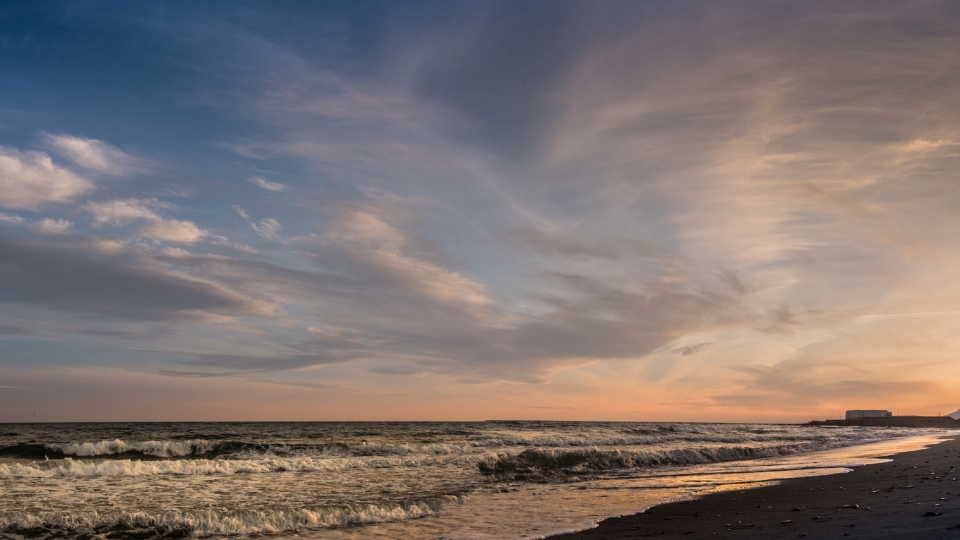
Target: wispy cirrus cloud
<point>267,228</point>
<point>378,246</point>
<point>642,198</point>
<point>439,321</point>
<point>263,183</point>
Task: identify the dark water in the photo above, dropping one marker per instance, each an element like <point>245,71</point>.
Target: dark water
<point>153,480</point>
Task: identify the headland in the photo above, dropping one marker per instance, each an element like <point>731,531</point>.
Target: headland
<point>893,421</point>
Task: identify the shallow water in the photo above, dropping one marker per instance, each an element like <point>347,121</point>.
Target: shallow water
<point>390,480</point>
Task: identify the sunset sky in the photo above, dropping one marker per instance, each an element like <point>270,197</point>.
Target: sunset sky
<point>730,211</point>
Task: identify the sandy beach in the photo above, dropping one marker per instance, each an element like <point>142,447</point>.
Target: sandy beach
<point>916,496</point>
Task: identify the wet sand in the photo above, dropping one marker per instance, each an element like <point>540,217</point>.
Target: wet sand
<point>915,497</point>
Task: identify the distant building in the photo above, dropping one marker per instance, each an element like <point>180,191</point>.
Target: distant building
<point>867,414</point>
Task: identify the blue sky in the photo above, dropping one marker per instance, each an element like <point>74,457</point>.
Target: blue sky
<point>579,210</point>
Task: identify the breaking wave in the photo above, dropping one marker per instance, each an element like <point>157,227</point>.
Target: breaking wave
<point>149,448</point>
<point>181,524</point>
<point>210,449</point>
<point>69,467</point>
<point>545,463</point>
<point>178,481</point>
<point>119,448</point>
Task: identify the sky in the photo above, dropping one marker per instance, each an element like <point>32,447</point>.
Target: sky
<point>594,210</point>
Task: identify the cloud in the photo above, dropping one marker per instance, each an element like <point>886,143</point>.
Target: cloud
<point>122,212</point>
<point>171,230</point>
<point>381,293</point>
<point>68,274</point>
<point>498,79</point>
<point>54,226</point>
<point>566,245</point>
<point>419,331</point>
<point>273,362</point>
<point>93,155</point>
<point>601,246</point>
<point>561,199</point>
<point>31,179</point>
<point>780,320</point>
<point>810,383</point>
<point>691,349</point>
<point>10,219</point>
<point>209,375</point>
<point>174,252</point>
<point>224,242</point>
<point>400,370</point>
<point>266,184</point>
<point>267,227</point>
<point>381,247</point>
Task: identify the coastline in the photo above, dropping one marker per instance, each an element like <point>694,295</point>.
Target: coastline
<point>894,500</point>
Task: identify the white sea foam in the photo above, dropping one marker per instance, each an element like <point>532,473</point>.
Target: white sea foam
<point>152,448</point>
<point>542,462</point>
<point>574,456</point>
<point>239,479</point>
<point>125,467</point>
<point>211,522</point>
<point>694,435</point>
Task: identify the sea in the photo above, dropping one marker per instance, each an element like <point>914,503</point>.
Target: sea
<point>416,480</point>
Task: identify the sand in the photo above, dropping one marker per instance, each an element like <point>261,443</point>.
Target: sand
<point>915,497</point>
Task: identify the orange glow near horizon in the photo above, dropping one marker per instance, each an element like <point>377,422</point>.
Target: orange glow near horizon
<point>698,213</point>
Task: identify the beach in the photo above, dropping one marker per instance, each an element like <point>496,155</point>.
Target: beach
<point>363,480</point>
<point>915,496</point>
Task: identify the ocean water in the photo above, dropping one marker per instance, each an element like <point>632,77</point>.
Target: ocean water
<point>391,480</point>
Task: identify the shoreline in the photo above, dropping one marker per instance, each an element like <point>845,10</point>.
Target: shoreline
<point>914,496</point>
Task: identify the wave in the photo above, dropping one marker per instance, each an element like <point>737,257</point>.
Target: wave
<point>700,434</point>
<point>202,448</point>
<point>116,448</point>
<point>664,436</point>
<point>68,467</point>
<point>29,451</point>
<point>150,448</point>
<point>532,463</point>
<point>193,523</point>
<point>163,449</point>
<point>545,463</point>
